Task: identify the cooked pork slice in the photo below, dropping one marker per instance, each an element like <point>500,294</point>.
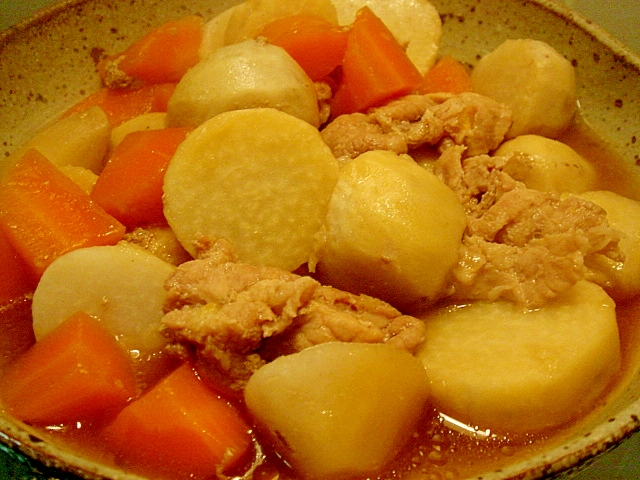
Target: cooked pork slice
<point>233,317</point>
<point>409,122</point>
<point>520,244</point>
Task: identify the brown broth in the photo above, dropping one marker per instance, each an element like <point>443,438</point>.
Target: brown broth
<point>435,451</point>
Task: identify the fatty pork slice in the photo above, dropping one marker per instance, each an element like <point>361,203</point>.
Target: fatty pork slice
<point>233,317</point>
<point>469,119</point>
<point>521,244</point>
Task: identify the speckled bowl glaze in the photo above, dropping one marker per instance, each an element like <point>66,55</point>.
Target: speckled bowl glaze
<point>47,64</point>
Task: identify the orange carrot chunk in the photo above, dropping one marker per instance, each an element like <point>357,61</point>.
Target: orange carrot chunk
<point>16,326</point>
<point>315,43</point>
<point>76,373</point>
<point>130,185</point>
<point>178,429</point>
<point>124,104</point>
<point>163,55</point>
<point>15,278</point>
<point>16,285</point>
<point>44,214</point>
<point>447,75</point>
<point>375,67</point>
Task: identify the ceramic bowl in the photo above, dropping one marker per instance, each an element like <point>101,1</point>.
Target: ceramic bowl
<point>47,64</point>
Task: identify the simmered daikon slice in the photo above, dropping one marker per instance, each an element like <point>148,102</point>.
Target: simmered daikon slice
<point>122,285</point>
<point>259,178</point>
<point>496,366</point>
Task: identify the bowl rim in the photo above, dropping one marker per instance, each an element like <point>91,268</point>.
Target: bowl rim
<point>566,456</point>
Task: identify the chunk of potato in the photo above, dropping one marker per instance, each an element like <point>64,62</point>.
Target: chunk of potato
<point>248,19</point>
<point>250,74</point>
<point>547,165</point>
<point>79,140</point>
<point>620,279</point>
<point>499,367</point>
<point>534,80</point>
<point>415,24</point>
<point>147,121</point>
<point>260,178</point>
<point>338,410</point>
<point>122,285</point>
<point>393,231</point>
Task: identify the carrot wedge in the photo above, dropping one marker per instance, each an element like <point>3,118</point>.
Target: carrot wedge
<point>375,68</point>
<point>162,56</point>
<point>130,185</point>
<point>15,278</point>
<point>447,75</point>
<point>178,429</point>
<point>315,43</point>
<point>76,373</point>
<point>44,214</point>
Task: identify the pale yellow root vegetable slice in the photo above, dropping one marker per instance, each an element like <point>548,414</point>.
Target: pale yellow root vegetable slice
<point>393,231</point>
<point>122,285</point>
<point>547,165</point>
<point>415,24</point>
<point>249,17</point>
<point>147,121</point>
<point>260,178</point>
<point>534,80</point>
<point>79,140</point>
<point>81,176</point>
<point>214,31</point>
<point>620,279</point>
<point>249,74</point>
<point>498,367</point>
<point>339,410</point>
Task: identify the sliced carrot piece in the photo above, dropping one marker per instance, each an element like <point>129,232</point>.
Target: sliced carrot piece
<point>124,104</point>
<point>16,285</point>
<point>179,429</point>
<point>76,373</point>
<point>162,56</point>
<point>315,43</point>
<point>130,185</point>
<point>15,277</point>
<point>375,67</point>
<point>44,214</point>
<point>447,75</point>
<point>16,325</point>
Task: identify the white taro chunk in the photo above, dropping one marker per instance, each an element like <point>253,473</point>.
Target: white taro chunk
<point>259,178</point>
<point>620,279</point>
<point>393,231</point>
<point>534,80</point>
<point>121,285</point>
<point>547,165</point>
<point>338,410</point>
<point>250,74</point>
<point>496,366</point>
<point>415,24</point>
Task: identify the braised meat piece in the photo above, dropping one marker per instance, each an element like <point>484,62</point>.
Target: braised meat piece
<point>407,123</point>
<point>520,244</point>
<point>233,317</point>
